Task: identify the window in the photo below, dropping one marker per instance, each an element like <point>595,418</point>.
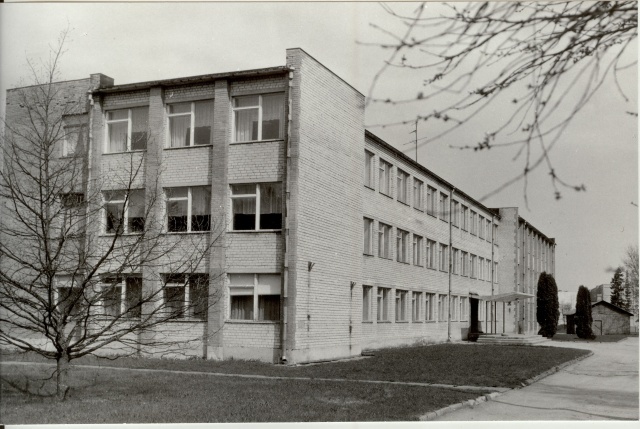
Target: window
<point>127,129</point>
<point>368,236</point>
<point>403,184</point>
<point>73,140</point>
<point>455,263</point>
<point>383,304</point>
<point>417,250</point>
<point>418,198</point>
<point>463,309</point>
<point>124,212</point>
<point>122,296</point>
<point>368,169</point>
<point>69,297</point>
<point>488,229</point>
<point>189,209</point>
<point>443,199</point>
<point>455,214</point>
<point>495,272</point>
<point>442,308</point>
<point>384,232</point>
<point>258,117</point>
<point>474,266</point>
<point>401,305</point>
<point>429,302</point>
<point>385,177</point>
<point>481,268</point>
<point>443,257</point>
<point>495,231</point>
<point>473,225</point>
<point>402,241</point>
<point>464,263</point>
<point>416,304</point>
<point>186,295</point>
<point>432,205</point>
<point>454,308</point>
<point>254,296</point>
<point>465,217</point>
<point>480,226</point>
<point>257,206</point>
<point>184,117</point>
<point>431,254</point>
<point>366,303</point>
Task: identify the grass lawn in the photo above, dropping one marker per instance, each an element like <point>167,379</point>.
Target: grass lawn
<point>598,339</point>
<point>101,396</point>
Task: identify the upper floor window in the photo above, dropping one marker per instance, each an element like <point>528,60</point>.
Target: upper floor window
<point>488,229</point>
<point>124,211</point>
<point>464,217</point>
<point>443,258</point>
<point>473,223</point>
<point>403,184</point>
<point>368,236</point>
<point>185,117</point>
<point>431,254</point>
<point>384,231</point>
<point>368,169</point>
<point>256,206</point>
<point>417,250</point>
<point>127,129</point>
<point>473,266</point>
<point>481,226</point>
<point>258,117</point>
<point>402,242</point>
<point>444,207</point>
<point>464,263</point>
<point>385,177</point>
<point>432,203</point>
<point>73,141</point>
<point>455,263</point>
<point>189,209</point>
<point>418,198</point>
<point>455,213</point>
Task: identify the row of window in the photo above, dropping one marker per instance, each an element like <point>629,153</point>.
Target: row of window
<point>461,216</point>
<point>251,296</point>
<point>424,306</point>
<point>255,117</point>
<point>436,255</point>
<point>254,206</point>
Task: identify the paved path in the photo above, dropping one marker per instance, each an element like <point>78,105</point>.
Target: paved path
<point>601,387</point>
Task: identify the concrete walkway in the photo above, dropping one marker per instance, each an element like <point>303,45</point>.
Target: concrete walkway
<point>601,387</point>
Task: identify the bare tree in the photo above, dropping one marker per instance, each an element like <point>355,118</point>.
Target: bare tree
<point>76,250</point>
<point>545,60</point>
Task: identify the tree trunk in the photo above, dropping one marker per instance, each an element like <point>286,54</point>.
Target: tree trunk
<point>62,369</point>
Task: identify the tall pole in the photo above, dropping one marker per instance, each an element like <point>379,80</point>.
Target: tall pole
<point>416,131</point>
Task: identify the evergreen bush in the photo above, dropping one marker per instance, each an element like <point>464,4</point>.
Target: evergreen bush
<point>583,314</point>
<point>547,310</point>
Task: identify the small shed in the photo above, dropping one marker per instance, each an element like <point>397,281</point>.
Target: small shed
<point>570,320</point>
<point>609,319</point>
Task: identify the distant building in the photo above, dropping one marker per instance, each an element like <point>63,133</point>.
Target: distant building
<point>610,319</point>
<point>601,293</point>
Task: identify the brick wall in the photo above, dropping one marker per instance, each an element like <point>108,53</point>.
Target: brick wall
<point>608,321</point>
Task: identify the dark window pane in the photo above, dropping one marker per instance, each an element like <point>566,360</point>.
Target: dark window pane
<point>112,299</point>
<point>138,140</point>
<point>271,221</point>
<point>114,217</point>
<point>269,307</point>
<point>242,307</point>
<point>133,297</point>
<point>139,126</point>
<point>201,223</point>
<point>70,301</point>
<point>199,295</point>
<point>174,300</point>
<point>244,222</point>
<point>177,223</point>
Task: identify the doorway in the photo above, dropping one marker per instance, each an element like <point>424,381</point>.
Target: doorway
<point>474,327</point>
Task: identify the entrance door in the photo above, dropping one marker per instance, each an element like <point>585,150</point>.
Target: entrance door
<point>474,327</point>
<point>597,327</point>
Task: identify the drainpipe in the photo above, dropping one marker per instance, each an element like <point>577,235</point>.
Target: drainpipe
<point>450,265</point>
<point>492,305</point>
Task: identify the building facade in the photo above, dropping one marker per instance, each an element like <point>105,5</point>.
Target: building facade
<point>329,240</point>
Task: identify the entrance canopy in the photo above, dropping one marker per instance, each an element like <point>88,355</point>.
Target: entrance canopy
<point>506,297</point>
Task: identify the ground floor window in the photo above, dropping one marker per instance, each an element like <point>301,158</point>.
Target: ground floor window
<point>187,295</point>
<point>442,308</point>
<point>429,303</point>
<point>69,298</point>
<point>122,296</point>
<point>254,296</point>
<point>416,306</point>
<point>382,301</point>
<point>366,303</point>
<point>464,308</point>
<point>401,305</point>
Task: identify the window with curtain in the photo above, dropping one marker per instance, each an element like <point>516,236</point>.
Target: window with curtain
<point>127,129</point>
<point>188,209</point>
<point>254,297</point>
<point>256,206</point>
<point>258,117</point>
<point>124,211</point>
<point>184,117</point>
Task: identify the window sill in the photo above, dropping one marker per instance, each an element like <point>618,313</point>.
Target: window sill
<point>128,234</point>
<point>252,322</point>
<point>255,231</point>
<point>384,321</point>
<point>404,203</point>
<point>368,254</point>
<point>369,322</point>
<point>419,209</point>
<point>185,232</point>
<point>385,257</point>
<point>431,214</point>
<point>444,220</point>
<point>186,320</point>
<point>432,268</point>
<point>429,321</point>
<point>403,262</point>
<point>402,321</point>
<point>188,147</point>
<point>416,321</point>
<point>369,187</point>
<point>258,141</point>
<point>418,265</point>
<point>386,195</point>
<point>125,152</point>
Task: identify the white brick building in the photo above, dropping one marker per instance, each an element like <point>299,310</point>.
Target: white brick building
<point>333,240</point>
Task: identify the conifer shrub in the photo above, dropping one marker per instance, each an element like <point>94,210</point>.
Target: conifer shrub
<point>583,316</point>
<point>547,310</point>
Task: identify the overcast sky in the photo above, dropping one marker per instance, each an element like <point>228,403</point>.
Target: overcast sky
<point>148,41</point>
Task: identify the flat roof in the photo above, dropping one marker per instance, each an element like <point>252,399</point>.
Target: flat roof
<point>428,172</point>
<point>550,239</point>
<point>192,79</point>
